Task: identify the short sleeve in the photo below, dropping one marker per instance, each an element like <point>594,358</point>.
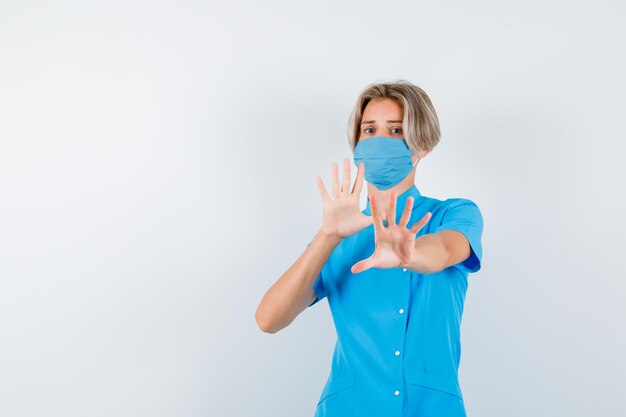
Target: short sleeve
<point>318,286</point>
<point>463,215</point>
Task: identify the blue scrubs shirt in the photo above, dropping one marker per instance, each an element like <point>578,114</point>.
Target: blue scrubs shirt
<point>398,331</point>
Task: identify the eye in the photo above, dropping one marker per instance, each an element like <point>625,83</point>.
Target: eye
<point>396,128</point>
<point>366,130</point>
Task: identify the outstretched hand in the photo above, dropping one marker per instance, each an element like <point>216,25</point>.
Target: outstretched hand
<point>395,244</point>
<point>342,216</point>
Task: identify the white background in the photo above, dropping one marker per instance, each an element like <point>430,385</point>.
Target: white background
<point>157,175</point>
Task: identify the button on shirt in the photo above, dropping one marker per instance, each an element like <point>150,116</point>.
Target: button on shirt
<point>398,331</point>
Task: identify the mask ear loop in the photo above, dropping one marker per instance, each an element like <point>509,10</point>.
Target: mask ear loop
<point>416,161</point>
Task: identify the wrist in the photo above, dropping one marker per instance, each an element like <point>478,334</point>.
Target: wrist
<point>328,237</point>
<point>414,262</point>
<point>408,265</point>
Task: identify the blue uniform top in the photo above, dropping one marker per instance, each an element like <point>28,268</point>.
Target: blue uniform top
<point>398,331</point>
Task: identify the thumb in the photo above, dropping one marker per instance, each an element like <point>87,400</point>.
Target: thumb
<point>363,265</point>
<point>367,221</point>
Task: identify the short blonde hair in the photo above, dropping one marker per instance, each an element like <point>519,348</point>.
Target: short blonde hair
<point>419,124</point>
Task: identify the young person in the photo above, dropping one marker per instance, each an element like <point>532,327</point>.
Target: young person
<point>394,274</point>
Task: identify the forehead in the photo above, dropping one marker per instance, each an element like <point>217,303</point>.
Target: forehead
<point>382,109</point>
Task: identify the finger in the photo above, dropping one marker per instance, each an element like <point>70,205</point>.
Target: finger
<point>363,265</point>
<point>391,209</point>
<point>378,221</point>
<point>323,192</point>
<point>406,214</point>
<point>358,183</point>
<point>335,176</point>
<point>420,223</point>
<point>346,176</point>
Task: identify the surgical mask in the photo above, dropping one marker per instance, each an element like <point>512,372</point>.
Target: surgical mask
<point>387,160</point>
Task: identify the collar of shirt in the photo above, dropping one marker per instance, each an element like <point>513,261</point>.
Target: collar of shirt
<point>400,201</point>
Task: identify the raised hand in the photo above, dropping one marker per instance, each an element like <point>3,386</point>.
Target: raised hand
<point>342,215</point>
<point>395,244</point>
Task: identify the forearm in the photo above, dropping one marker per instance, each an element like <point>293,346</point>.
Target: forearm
<point>293,291</point>
<point>430,255</point>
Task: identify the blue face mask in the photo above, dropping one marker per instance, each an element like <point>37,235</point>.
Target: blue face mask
<point>387,160</point>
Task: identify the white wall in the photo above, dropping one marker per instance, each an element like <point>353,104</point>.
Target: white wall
<point>157,175</point>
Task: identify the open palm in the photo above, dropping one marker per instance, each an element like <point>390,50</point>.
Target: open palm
<point>395,244</point>
<point>342,216</point>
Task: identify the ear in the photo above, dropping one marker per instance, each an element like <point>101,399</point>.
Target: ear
<point>423,153</point>
<point>419,155</point>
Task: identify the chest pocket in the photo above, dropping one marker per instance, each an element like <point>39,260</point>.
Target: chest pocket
<point>337,398</point>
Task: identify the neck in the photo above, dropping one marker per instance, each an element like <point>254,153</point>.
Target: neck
<point>382,196</point>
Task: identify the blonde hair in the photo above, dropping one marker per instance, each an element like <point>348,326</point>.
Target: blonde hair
<point>419,124</point>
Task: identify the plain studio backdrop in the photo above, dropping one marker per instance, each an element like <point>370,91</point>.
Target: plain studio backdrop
<point>157,176</point>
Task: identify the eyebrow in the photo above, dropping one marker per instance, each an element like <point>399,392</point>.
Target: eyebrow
<point>374,121</point>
